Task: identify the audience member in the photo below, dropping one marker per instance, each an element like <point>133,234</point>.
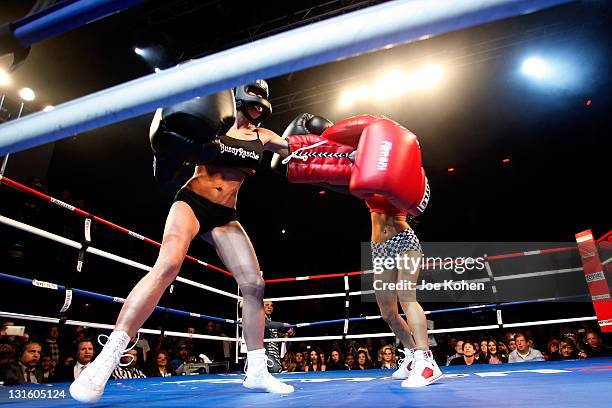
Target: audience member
<point>468,357</point>
<point>495,356</point>
<point>161,366</point>
<point>70,372</point>
<point>335,361</point>
<point>594,346</point>
<point>388,359</point>
<point>25,370</point>
<point>314,362</point>
<point>458,352</point>
<point>51,345</point>
<point>523,352</point>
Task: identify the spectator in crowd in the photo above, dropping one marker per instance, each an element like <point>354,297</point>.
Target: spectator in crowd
<point>484,348</point>
<point>494,355</point>
<point>51,345</point>
<point>468,357</point>
<point>299,361</point>
<point>25,370</point>
<point>388,358</point>
<point>314,362</point>
<point>85,353</point>
<point>362,362</point>
<point>503,349</point>
<point>458,351</point>
<point>289,364</point>
<point>335,361</point>
<point>46,365</point>
<point>127,367</point>
<point>567,350</point>
<point>161,366</point>
<point>594,346</point>
<point>274,330</point>
<point>477,354</point>
<point>523,352</point>
<point>368,355</point>
<point>349,361</point>
<point>552,350</point>
<point>511,345</point>
<point>183,355</point>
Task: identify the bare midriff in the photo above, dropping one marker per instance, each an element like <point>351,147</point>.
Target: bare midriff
<point>217,184</point>
<point>385,226</point>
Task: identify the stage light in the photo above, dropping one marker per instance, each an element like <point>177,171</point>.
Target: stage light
<point>48,108</point>
<point>5,78</point>
<point>427,77</point>
<point>27,94</point>
<point>139,51</point>
<point>535,67</point>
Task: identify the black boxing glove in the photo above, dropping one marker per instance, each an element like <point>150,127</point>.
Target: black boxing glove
<point>303,124</point>
<point>188,132</point>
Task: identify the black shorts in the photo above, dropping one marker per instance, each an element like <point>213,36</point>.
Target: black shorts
<point>209,214</point>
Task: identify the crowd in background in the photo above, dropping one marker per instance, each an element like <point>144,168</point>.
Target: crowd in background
<point>59,354</point>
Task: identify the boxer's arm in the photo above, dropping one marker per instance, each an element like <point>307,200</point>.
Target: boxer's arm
<point>273,142</point>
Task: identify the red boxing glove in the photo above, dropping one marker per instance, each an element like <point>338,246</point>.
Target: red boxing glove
<point>388,163</point>
<point>313,159</point>
<point>348,131</point>
<point>378,204</point>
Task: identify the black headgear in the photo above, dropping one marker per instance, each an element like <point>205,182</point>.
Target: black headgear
<point>255,93</point>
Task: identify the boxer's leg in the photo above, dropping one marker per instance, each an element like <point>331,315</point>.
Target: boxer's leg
<point>236,251</point>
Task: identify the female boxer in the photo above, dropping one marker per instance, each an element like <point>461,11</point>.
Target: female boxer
<point>205,206</point>
<point>392,236</point>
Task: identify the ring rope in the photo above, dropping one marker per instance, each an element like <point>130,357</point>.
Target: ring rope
<point>85,214</point>
<point>436,331</point>
<point>107,298</point>
<point>55,320</point>
<point>449,310</point>
<point>65,241</point>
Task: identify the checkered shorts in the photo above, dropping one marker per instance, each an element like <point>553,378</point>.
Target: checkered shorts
<point>397,245</point>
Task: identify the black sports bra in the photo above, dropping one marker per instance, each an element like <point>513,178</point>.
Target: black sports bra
<point>244,155</point>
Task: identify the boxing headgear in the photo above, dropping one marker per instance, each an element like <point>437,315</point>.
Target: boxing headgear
<point>255,93</point>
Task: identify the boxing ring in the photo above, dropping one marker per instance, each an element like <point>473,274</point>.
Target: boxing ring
<point>574,381</point>
<point>549,384</point>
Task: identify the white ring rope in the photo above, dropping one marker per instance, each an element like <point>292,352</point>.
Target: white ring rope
<point>55,320</point>
<point>65,241</point>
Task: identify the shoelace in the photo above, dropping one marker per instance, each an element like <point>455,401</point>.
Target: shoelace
<point>124,351</point>
<point>301,156</point>
<point>405,358</point>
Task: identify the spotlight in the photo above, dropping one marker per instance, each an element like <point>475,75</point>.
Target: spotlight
<point>427,77</point>
<point>5,79</point>
<point>48,108</point>
<point>394,83</point>
<point>139,51</point>
<point>451,169</point>
<point>535,67</point>
<point>27,94</point>
<point>157,70</point>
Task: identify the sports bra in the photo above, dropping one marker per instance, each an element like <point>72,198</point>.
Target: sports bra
<point>243,155</point>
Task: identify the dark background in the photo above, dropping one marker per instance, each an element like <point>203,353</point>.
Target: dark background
<point>485,110</point>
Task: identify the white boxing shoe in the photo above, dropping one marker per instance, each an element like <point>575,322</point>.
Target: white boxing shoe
<point>258,378</point>
<point>405,365</point>
<point>89,385</point>
<point>424,371</point>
